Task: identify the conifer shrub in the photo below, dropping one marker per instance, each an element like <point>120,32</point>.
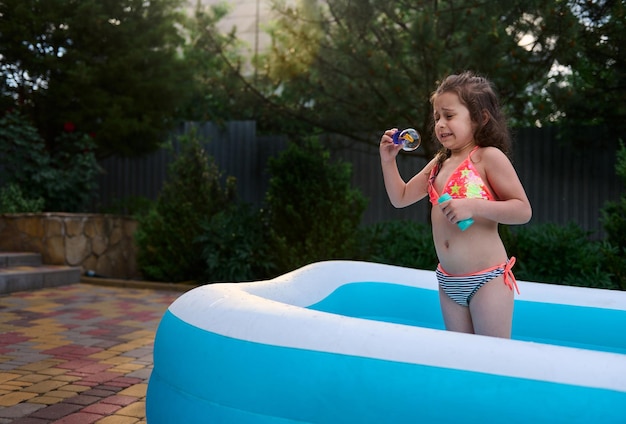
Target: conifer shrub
<point>63,175</point>
<point>401,243</point>
<point>551,253</point>
<point>312,212</point>
<point>614,222</point>
<point>167,234</point>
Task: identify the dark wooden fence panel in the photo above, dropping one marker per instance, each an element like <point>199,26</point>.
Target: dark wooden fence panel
<point>564,184</point>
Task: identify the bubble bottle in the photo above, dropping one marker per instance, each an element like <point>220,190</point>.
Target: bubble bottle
<point>409,138</point>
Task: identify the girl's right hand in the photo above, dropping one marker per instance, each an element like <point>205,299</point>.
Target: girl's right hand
<point>389,150</point>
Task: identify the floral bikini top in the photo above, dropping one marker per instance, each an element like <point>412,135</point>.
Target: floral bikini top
<point>465,182</point>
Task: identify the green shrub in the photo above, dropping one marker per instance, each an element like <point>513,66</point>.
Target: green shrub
<point>614,223</point>
<point>166,235</point>
<point>130,205</point>
<point>12,200</point>
<point>63,175</point>
<point>312,212</point>
<point>402,243</point>
<point>556,254</point>
<point>234,246</point>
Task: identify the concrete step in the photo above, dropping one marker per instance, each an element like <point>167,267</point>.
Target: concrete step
<point>8,259</point>
<point>24,271</point>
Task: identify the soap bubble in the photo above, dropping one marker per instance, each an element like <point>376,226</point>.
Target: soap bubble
<point>409,138</point>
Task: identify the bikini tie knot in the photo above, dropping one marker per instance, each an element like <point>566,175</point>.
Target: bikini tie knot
<point>509,278</point>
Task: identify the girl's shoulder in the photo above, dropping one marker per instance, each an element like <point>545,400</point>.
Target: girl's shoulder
<point>488,154</point>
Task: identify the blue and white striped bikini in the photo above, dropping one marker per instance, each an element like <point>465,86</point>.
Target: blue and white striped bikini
<point>461,288</point>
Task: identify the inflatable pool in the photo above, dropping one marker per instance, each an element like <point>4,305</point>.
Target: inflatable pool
<point>356,342</point>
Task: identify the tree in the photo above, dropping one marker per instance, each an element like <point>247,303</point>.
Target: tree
<point>591,89</point>
<point>357,68</point>
<point>168,232</point>
<point>108,67</point>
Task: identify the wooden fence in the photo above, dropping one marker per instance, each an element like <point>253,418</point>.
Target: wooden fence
<point>564,184</point>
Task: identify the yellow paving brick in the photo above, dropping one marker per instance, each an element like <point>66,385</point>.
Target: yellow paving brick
<point>15,397</point>
<point>105,354</point>
<point>116,419</point>
<point>53,371</point>
<point>6,376</point>
<point>44,345</point>
<point>46,321</point>
<point>136,409</point>
<point>66,378</point>
<point>16,384</point>
<point>42,330</point>
<point>136,390</point>
<point>61,394</point>
<point>44,386</point>
<point>126,368</point>
<point>33,378</point>
<point>138,334</point>
<point>127,347</point>
<point>46,400</point>
<point>41,365</point>
<point>118,360</point>
<point>74,388</point>
<point>53,340</point>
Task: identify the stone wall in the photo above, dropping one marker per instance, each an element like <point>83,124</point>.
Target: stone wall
<point>101,243</point>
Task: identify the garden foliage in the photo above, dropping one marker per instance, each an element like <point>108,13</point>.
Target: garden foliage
<point>312,212</point>
<point>12,200</point>
<point>614,221</point>
<point>64,177</point>
<point>197,230</point>
<point>167,233</point>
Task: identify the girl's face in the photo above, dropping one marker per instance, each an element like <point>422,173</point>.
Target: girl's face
<point>453,126</point>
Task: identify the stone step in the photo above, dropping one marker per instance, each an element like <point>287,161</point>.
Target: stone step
<point>24,271</point>
<point>9,259</point>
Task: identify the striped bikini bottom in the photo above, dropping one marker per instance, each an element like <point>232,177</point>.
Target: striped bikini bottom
<point>461,288</point>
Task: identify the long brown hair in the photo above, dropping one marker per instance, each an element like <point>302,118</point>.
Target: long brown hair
<point>479,96</point>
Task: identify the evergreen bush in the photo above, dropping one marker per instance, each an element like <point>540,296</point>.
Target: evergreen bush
<point>235,247</point>
<point>556,254</point>
<point>401,243</point>
<point>614,222</point>
<point>167,233</point>
<point>12,200</point>
<point>65,178</point>
<point>312,212</point>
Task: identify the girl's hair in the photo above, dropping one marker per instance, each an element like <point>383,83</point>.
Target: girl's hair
<point>479,96</point>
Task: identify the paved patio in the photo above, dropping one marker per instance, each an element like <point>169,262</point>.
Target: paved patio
<point>78,354</point>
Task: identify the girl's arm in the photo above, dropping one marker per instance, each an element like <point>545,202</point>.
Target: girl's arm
<point>513,206</point>
<point>400,194</point>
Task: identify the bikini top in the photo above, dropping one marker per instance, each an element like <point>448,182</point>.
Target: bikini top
<point>465,182</point>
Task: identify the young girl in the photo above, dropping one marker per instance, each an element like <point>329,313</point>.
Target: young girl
<point>475,279</point>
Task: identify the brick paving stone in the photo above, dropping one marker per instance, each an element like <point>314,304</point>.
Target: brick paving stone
<point>8,376</point>
<point>47,400</point>
<point>99,393</point>
<point>136,409</point>
<point>83,400</point>
<point>120,400</point>
<point>74,354</point>
<point>116,419</point>
<point>79,418</point>
<point>14,398</point>
<point>137,390</point>
<point>102,408</point>
<point>44,386</point>
<point>19,410</point>
<point>56,411</point>
<point>29,420</point>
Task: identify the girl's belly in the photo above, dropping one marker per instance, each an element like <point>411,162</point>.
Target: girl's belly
<point>463,252</point>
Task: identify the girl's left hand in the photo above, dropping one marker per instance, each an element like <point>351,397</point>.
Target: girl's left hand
<point>457,210</point>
